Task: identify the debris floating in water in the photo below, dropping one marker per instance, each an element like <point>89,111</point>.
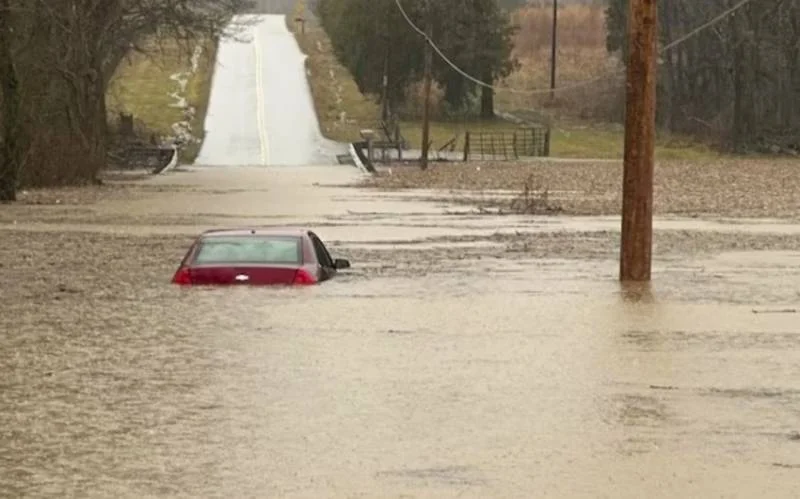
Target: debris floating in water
<point>781,311</point>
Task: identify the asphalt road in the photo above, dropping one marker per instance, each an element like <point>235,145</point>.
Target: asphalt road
<point>261,112</point>
<point>283,7</point>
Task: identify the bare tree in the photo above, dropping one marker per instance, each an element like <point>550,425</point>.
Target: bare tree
<point>57,67</point>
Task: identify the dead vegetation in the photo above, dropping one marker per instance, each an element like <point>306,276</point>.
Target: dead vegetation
<point>534,200</point>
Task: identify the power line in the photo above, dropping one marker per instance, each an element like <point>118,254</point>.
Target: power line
<point>573,86</point>
<point>707,25</point>
<point>469,76</point>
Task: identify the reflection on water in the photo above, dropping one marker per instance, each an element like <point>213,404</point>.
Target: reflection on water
<point>637,292</point>
<point>479,378</point>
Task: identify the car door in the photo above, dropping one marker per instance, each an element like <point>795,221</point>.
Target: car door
<point>324,258</point>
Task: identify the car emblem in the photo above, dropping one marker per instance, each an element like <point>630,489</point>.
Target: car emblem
<point>242,278</point>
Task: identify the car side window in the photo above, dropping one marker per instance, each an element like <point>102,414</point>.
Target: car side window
<point>322,253</point>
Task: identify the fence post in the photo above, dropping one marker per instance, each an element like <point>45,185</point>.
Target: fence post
<point>368,136</point>
<point>466,145</point>
<point>529,148</point>
<point>126,125</point>
<point>546,151</point>
<point>398,142</point>
<point>514,145</point>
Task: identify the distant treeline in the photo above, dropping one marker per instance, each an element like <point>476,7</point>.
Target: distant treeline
<point>372,39</point>
<point>738,80</point>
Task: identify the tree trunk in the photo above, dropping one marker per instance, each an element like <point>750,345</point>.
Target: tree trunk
<point>487,99</point>
<point>94,129</point>
<point>86,111</point>
<point>740,83</point>
<point>10,112</point>
<point>102,136</point>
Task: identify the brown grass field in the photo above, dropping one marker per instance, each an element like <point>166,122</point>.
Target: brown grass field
<point>581,62</point>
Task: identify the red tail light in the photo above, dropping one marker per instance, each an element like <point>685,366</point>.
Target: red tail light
<point>182,277</point>
<point>302,277</point>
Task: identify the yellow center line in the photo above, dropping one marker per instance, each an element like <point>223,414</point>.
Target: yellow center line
<point>260,101</point>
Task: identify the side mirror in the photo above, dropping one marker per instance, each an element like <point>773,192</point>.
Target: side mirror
<point>341,263</point>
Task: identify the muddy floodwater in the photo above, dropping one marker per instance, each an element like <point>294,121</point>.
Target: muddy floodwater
<point>463,355</point>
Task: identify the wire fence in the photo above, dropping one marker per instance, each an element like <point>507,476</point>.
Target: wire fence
<point>524,142</point>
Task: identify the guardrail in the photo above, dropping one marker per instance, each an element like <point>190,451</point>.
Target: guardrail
<point>361,158</point>
<point>158,159</point>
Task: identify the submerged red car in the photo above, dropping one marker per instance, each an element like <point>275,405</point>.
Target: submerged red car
<point>257,257</point>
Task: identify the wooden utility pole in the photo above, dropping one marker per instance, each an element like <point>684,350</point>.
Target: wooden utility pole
<point>385,25</point>
<point>385,82</point>
<point>553,51</point>
<point>640,121</point>
<point>426,109</point>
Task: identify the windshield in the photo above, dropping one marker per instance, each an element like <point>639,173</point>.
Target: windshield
<point>249,249</point>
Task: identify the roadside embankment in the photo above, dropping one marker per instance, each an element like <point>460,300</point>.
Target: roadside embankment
<point>167,91</point>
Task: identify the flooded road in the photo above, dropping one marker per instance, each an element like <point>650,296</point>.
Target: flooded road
<point>463,355</point>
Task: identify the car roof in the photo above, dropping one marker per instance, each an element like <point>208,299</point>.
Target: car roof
<point>256,231</point>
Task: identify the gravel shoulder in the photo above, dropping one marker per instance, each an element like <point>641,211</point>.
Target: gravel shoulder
<point>752,188</point>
